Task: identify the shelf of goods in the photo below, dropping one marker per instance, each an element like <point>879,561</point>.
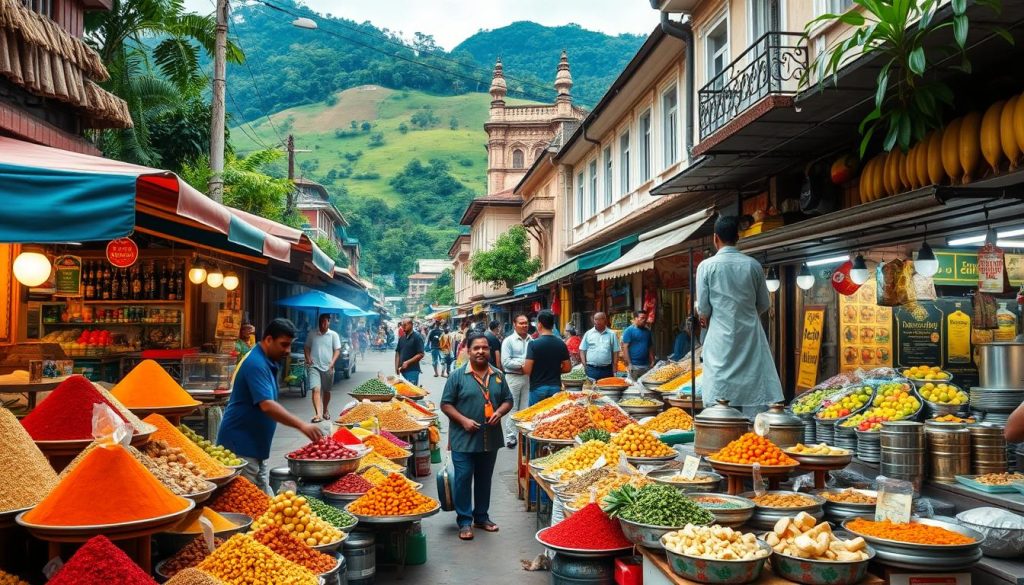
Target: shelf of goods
<point>106,328</point>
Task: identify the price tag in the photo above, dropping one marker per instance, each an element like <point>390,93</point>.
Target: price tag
<point>758,481</point>
<point>894,507</point>
<point>690,466</point>
<point>601,462</point>
<point>207,528</point>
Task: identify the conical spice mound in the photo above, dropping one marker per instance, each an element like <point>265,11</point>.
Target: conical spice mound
<point>150,386</point>
<point>25,474</point>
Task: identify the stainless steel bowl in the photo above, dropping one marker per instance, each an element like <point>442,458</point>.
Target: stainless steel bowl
<point>333,498</point>
<point>643,410</point>
<point>714,571</point>
<point>647,535</point>
<point>580,552</point>
<point>926,557</point>
<point>324,468</point>
<point>688,486</point>
<point>731,517</point>
<point>764,518</point>
<point>821,572</point>
<point>1003,543</point>
<point>839,511</point>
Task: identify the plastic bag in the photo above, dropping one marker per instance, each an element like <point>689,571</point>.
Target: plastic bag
<point>984,311</point>
<point>758,481</point>
<point>895,499</point>
<point>890,284</point>
<point>924,287</point>
<point>1003,530</point>
<point>108,428</point>
<point>803,480</point>
<point>844,478</point>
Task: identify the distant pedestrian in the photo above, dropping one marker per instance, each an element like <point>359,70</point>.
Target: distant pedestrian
<point>475,399</point>
<point>494,340</point>
<point>245,342</point>
<point>434,347</point>
<point>364,340</point>
<point>409,352</point>
<point>447,355</point>
<point>638,346</point>
<point>599,350</point>
<point>572,343</point>
<point>513,358</point>
<point>547,359</point>
<point>322,348</point>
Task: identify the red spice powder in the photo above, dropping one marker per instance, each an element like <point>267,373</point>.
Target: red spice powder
<point>99,562</point>
<point>345,437</point>
<point>394,439</point>
<point>589,528</point>
<point>66,414</point>
<point>349,484</point>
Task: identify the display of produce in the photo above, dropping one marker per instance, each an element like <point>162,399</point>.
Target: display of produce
<point>373,474</point>
<point>850,402</point>
<point>803,537</point>
<point>715,503</point>
<point>657,505</point>
<point>809,402</point>
<point>952,418</point>
<point>100,562</point>
<point>183,475</point>
<point>819,449</point>
<point>348,484</point>
<point>752,448</point>
<point>667,372</point>
<point>681,479</point>
<point>637,441</point>
<point>240,496</point>
<point>392,497</point>
<point>241,561</point>
<point>892,401</point>
<point>585,480</point>
<point>610,417</point>
<point>545,405</point>
<point>294,550</point>
<point>943,393</point>
<point>927,373</point>
<point>218,452</point>
<point>190,523</point>
<point>378,460</point>
<point>168,433</point>
<point>553,458</point>
<point>679,381</point>
<point>326,449</point>
<point>671,419</point>
<point>583,457</point>
<point>25,474</point>
<point>848,496</point>
<point>911,532</point>
<point>612,382</point>
<point>411,408</point>
<point>565,425</point>
<point>395,440</point>
<point>999,478</point>
<point>577,374</point>
<point>595,435</point>
<point>148,385</point>
<point>66,414</point>
<point>9,579</point>
<point>771,500</point>
<point>190,556</point>
<point>292,513</point>
<point>194,576</point>
<point>405,388</point>
<point>108,486</point>
<point>714,542</point>
<point>328,513</point>
<point>373,387</point>
<point>588,529</point>
<point>397,421</point>
<point>360,412</point>
<point>639,402</point>
<point>597,491</point>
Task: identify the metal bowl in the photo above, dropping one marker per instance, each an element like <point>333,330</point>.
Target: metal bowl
<point>224,479</point>
<point>837,512</point>
<point>643,410</point>
<point>331,546</point>
<point>324,468</point>
<point>551,441</point>
<point>836,461</point>
<point>715,571</point>
<point>332,575</point>
<point>372,397</point>
<point>821,572</point>
<point>647,535</point>
<point>201,496</point>
<point>573,383</point>
<point>651,460</point>
<point>178,540</point>
<point>731,517</point>
<point>1004,543</point>
<point>392,519</point>
<point>932,557</point>
<point>764,518</point>
<point>581,552</point>
<point>687,486</point>
<point>613,394</point>
<point>333,498</point>
<point>747,470</point>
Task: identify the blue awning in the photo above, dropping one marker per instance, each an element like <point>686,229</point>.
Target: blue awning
<point>587,261</point>
<point>525,289</point>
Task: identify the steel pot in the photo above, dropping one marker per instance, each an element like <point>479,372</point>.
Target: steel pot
<point>717,426</point>
<point>783,428</point>
<point>1000,364</point>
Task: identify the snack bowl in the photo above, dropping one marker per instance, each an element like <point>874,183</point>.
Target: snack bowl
<point>999,542</point>
<point>764,517</point>
<point>324,468</point>
<point>821,572</point>
<point>716,571</point>
<point>730,517</point>
<point>647,535</point>
<point>704,481</point>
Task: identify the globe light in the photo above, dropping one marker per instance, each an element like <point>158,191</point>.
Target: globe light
<point>31,268</point>
<point>925,263</point>
<point>230,280</point>
<point>772,281</point>
<point>805,280</point>
<point>859,273</point>
<point>215,278</point>
<point>197,273</point>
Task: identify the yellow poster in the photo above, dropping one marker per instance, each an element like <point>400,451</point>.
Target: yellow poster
<point>958,337</point>
<point>865,331</point>
<point>810,347</point>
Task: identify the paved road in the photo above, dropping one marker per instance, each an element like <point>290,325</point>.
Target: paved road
<point>449,560</point>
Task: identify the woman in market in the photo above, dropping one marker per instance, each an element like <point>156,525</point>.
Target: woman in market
<point>246,340</point>
<point>572,342</point>
<point>475,399</point>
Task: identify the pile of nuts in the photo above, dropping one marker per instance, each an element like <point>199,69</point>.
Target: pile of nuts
<point>999,478</point>
<point>172,462</point>
<point>714,542</point>
<point>793,500</point>
<point>819,449</point>
<point>194,553</point>
<point>849,496</point>
<point>804,538</point>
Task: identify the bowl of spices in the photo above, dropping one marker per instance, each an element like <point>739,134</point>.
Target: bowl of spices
<point>772,506</point>
<point>649,512</point>
<point>731,511</point>
<point>589,533</point>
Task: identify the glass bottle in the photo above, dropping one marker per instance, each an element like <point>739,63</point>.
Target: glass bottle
<point>90,288</point>
<point>163,294</point>
<point>105,284</point>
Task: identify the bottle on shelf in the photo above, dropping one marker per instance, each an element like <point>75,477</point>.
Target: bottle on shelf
<point>87,282</point>
<point>179,281</point>
<point>126,287</point>
<point>163,293</point>
<point>105,284</point>
<point>136,284</point>
<point>115,286</point>
<point>151,282</point>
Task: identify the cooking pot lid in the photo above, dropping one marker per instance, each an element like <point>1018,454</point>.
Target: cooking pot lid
<point>721,412</point>
<point>778,416</point>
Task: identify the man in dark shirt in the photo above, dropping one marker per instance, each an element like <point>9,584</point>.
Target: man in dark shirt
<point>409,352</point>
<point>547,358</point>
<point>494,341</point>
<point>434,345</point>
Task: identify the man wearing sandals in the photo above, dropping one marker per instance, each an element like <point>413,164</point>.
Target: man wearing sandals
<point>322,348</point>
<point>475,398</point>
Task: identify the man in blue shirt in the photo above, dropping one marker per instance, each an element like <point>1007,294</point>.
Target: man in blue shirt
<point>599,350</point>
<point>253,411</point>
<point>638,346</point>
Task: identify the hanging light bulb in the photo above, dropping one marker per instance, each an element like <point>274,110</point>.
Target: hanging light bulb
<point>859,273</point>
<point>197,272</point>
<point>926,264</point>
<point>805,280</point>
<point>772,281</point>
<point>215,277</point>
<point>230,280</point>
<point>31,268</point>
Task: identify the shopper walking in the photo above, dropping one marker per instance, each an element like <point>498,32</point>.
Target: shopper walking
<point>731,296</point>
<point>599,349</point>
<point>434,346</point>
<point>447,357</point>
<point>253,411</point>
<point>322,348</point>
<point>494,340</point>
<point>638,346</point>
<point>513,358</point>
<point>409,352</point>
<point>547,359</point>
<point>475,399</point>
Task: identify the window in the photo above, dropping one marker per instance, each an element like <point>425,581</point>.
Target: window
<point>607,176</point>
<point>39,6</point>
<point>593,187</point>
<point>517,159</point>
<point>836,6</point>
<point>624,167</point>
<point>717,47</point>
<point>764,17</point>
<point>645,146</point>
<point>579,198</point>
<point>670,125</point>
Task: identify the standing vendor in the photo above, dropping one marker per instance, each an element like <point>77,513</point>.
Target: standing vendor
<point>731,296</point>
<point>409,352</point>
<point>253,411</point>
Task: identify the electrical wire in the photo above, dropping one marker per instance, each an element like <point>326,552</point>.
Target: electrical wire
<point>256,86</point>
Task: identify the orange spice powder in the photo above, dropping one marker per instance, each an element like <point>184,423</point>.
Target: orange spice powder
<point>150,386</point>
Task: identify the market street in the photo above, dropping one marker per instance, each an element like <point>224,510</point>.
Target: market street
<point>449,560</point>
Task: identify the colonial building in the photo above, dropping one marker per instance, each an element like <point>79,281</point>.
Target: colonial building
<point>324,220</point>
<point>427,271</point>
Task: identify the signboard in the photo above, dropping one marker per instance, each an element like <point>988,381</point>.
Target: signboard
<point>228,323</point>
<point>67,276</point>
<point>957,268</point>
<point>122,252</point>
<point>1014,268</point>
<point>919,335</point>
<point>810,347</point>
<point>990,269</point>
<point>865,331</point>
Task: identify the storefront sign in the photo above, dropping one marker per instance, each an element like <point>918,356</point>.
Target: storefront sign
<point>957,267</point>
<point>990,269</point>
<point>919,334</point>
<point>865,331</point>
<point>1014,268</point>
<point>67,276</point>
<point>122,252</point>
<point>810,347</point>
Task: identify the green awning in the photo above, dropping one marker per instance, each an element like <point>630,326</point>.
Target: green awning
<point>588,261</point>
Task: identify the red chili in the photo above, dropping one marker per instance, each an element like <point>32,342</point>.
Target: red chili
<point>66,414</point>
<point>589,528</point>
<point>99,562</point>
<point>349,484</point>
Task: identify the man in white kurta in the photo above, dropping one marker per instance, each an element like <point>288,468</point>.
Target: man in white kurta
<point>731,296</point>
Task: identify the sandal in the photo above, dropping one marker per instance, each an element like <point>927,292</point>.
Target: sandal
<point>486,526</point>
<point>465,533</point>
<point>316,419</point>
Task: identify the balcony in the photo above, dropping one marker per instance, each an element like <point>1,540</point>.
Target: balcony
<point>772,66</point>
<point>537,208</point>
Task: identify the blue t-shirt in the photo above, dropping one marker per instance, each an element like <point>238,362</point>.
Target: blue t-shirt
<point>245,429</point>
<point>639,341</point>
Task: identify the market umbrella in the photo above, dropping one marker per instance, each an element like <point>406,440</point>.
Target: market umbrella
<point>319,301</point>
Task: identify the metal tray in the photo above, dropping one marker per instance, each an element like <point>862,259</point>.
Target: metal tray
<point>651,460</point>
<point>937,551</point>
<point>838,461</point>
<point>392,519</point>
<point>86,532</point>
<point>552,441</point>
<point>748,468</point>
<point>687,486</point>
<point>971,482</point>
<point>581,552</point>
<point>731,517</point>
<point>324,468</point>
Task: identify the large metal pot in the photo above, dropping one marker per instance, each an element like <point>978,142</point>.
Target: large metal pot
<point>1000,364</point>
<point>783,428</point>
<point>717,426</point>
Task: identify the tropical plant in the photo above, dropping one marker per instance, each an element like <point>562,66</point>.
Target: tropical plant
<point>508,262</point>
<point>247,186</point>
<point>441,292</point>
<point>908,102</point>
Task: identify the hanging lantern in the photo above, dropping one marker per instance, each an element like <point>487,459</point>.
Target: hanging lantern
<point>31,268</point>
<point>230,280</point>
<point>859,272</point>
<point>215,278</point>
<point>926,264</point>
<point>805,280</point>
<point>772,281</point>
<point>197,272</point>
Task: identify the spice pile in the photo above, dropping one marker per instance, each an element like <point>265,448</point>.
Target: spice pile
<point>178,486</point>
<point>656,505</point>
<point>190,556</point>
<point>9,579</point>
<point>792,500</point>
<point>715,503</point>
<point>326,449</point>
<point>150,386</point>
<point>610,418</point>
<point>295,551</point>
<point>25,474</point>
<point>677,382</point>
<point>190,523</point>
<point>108,486</point>
<point>804,538</point>
<point>66,414</point>
<point>385,447</point>
<point>752,448</point>
<point>665,373</point>
<point>639,402</point>
<point>564,425</point>
<point>331,515</point>
<point>671,419</point>
<point>584,456</point>
<point>637,441</point>
<point>218,452</point>
<point>589,528</point>
<point>408,389</point>
<point>715,542</point>
<point>373,458</point>
<point>411,408</point>
<point>373,474</point>
<point>292,513</point>
<point>907,532</point>
<point>241,561</point>
<point>99,562</point>
<point>241,496</point>
<point>168,433</point>
<point>348,484</point>
<point>392,497</point>
<point>373,387</point>
<point>359,413</point>
<point>545,405</point>
<point>194,576</point>
<point>612,382</point>
<point>396,421</point>
<point>346,437</point>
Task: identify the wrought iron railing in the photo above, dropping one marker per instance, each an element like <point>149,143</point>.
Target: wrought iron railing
<point>773,65</point>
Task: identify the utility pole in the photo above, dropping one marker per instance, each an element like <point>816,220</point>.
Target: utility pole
<point>216,185</point>
<point>290,145</point>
